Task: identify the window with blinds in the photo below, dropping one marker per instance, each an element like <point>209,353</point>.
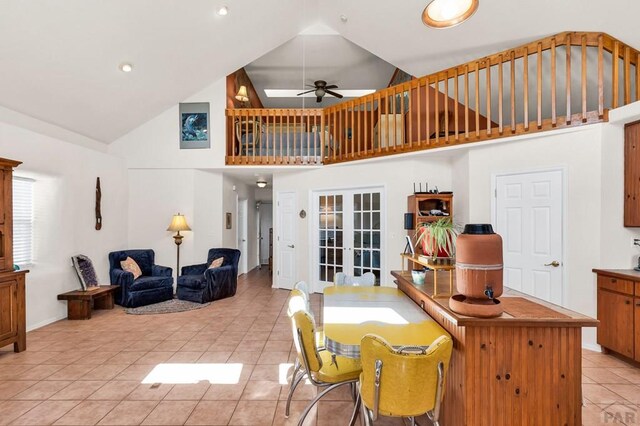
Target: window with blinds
<point>22,220</point>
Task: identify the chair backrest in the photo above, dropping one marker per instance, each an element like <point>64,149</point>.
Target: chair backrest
<point>304,330</point>
<point>408,378</point>
<point>303,287</point>
<point>231,256</point>
<point>367,279</point>
<point>145,258</point>
<point>297,302</point>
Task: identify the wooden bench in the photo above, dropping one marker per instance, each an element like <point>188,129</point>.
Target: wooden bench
<point>80,303</point>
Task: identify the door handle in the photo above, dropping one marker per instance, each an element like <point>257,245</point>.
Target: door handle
<point>291,246</point>
<point>555,264</point>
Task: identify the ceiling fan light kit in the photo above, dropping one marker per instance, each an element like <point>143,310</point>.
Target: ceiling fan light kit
<point>448,13</point>
<point>320,89</point>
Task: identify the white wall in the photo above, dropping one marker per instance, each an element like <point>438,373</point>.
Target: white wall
<point>396,176</point>
<point>155,144</point>
<point>64,217</point>
<point>157,194</point>
<point>579,152</point>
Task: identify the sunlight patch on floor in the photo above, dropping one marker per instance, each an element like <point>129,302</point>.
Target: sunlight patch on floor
<point>222,374</point>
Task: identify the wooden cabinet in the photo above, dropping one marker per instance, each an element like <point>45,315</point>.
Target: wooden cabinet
<point>421,205</point>
<point>619,311</point>
<point>12,284</point>
<point>636,326</point>
<point>615,312</point>
<point>632,174</point>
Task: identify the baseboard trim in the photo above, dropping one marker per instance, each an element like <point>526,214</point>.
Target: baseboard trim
<point>45,322</point>
<point>592,347</point>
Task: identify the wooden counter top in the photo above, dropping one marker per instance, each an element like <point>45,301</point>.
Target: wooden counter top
<point>623,274</point>
<point>519,309</point>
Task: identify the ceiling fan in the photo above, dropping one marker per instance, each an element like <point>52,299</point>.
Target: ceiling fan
<point>320,88</point>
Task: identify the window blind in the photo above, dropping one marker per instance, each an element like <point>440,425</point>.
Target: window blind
<point>22,220</point>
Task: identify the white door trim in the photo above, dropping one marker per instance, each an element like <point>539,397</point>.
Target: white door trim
<point>276,236</point>
<point>563,169</point>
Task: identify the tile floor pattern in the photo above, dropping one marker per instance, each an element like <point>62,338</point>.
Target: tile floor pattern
<point>90,372</point>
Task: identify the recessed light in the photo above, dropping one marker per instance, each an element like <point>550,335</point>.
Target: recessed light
<point>223,11</point>
<point>448,13</point>
<point>344,18</point>
<point>126,67</point>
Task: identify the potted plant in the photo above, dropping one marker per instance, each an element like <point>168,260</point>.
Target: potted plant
<point>437,238</point>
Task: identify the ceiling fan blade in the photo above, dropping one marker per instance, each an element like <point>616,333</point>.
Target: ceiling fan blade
<point>310,85</point>
<point>333,86</point>
<point>304,93</point>
<point>332,93</point>
<point>319,99</point>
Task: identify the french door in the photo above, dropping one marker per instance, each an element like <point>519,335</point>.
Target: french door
<point>348,233</point>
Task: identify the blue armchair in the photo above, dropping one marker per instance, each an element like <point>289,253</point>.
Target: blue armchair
<point>200,284</point>
<point>153,286</point>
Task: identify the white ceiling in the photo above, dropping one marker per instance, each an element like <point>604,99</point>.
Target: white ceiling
<point>59,59</point>
<point>307,58</point>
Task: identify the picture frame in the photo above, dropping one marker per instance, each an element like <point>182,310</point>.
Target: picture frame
<point>193,121</point>
<point>409,246</point>
<point>228,220</point>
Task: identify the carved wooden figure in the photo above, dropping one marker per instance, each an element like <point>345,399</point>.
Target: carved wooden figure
<point>98,199</point>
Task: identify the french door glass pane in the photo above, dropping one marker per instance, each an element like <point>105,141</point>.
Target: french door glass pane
<point>366,236</point>
<point>331,239</point>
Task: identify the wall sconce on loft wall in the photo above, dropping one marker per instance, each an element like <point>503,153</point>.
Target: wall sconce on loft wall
<point>242,95</point>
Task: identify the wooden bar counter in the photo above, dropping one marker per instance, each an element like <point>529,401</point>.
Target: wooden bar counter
<point>522,368</point>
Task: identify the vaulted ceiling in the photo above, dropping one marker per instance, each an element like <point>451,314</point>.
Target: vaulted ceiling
<point>59,59</point>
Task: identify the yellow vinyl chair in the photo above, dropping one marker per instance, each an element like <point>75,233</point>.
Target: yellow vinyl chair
<point>303,287</point>
<point>322,368</point>
<point>407,382</point>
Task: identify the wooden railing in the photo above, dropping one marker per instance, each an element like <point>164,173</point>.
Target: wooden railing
<point>570,79</point>
<point>275,136</point>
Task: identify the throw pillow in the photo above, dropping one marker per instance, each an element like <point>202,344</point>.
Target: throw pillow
<point>216,263</point>
<point>130,265</point>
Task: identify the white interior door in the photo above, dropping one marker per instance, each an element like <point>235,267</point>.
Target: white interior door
<point>243,245</point>
<point>348,234</point>
<point>286,239</point>
<point>529,217</point>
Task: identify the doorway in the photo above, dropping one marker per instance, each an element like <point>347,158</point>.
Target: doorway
<point>348,234</point>
<point>265,233</point>
<point>529,215</point>
<point>243,246</point>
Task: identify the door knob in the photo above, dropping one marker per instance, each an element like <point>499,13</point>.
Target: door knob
<point>555,264</point>
<point>291,246</point>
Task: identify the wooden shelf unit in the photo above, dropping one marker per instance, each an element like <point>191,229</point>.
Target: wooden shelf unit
<point>418,203</point>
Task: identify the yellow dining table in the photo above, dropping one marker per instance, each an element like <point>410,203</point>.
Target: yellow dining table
<point>351,312</point>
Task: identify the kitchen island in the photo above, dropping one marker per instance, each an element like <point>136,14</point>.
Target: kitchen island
<point>521,368</point>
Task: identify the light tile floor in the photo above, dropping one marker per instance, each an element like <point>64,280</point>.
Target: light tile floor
<point>93,372</point>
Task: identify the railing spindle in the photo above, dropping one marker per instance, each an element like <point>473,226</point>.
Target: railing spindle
<point>455,104</point>
<point>600,76</point>
<point>554,118</point>
<point>466,102</point>
<point>380,123</point>
<point>539,86</point>
<point>513,91</point>
<point>637,76</point>
<point>437,110</point>
<point>627,75</point>
<point>568,79</point>
<point>488,89</point>
<point>584,78</point>
<point>477,93</point>
<point>446,108</point>
<point>525,87</point>
<point>410,111</point>
<point>500,94</point>
<point>427,95</point>
<point>616,75</point>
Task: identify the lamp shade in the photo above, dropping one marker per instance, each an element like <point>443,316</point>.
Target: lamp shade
<point>178,223</point>
<point>242,95</point>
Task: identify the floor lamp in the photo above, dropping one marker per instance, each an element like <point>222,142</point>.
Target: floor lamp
<point>178,223</point>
